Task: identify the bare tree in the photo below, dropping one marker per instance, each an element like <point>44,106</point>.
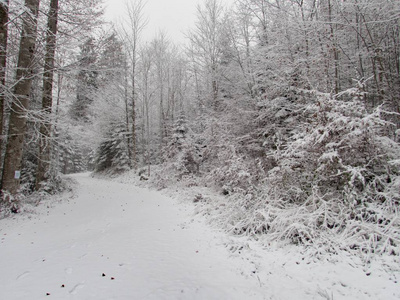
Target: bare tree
<point>132,31</point>
<point>206,41</point>
<point>18,117</point>
<point>147,93</point>
<point>162,59</point>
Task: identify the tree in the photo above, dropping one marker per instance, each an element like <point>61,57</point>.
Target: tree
<point>86,82</point>
<point>162,58</point>
<point>206,39</point>
<point>132,31</point>
<point>17,123</point>
<point>112,153</point>
<point>146,94</point>
<point>47,97</point>
<point>3,63</point>
<point>181,149</point>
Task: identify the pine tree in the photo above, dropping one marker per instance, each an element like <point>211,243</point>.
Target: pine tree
<point>181,149</point>
<point>86,82</point>
<point>112,154</point>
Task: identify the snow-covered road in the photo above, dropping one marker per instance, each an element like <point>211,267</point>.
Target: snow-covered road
<point>118,241</point>
<point>145,244</point>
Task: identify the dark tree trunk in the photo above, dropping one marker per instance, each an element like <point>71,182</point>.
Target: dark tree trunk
<point>3,63</point>
<point>17,124</point>
<point>47,100</point>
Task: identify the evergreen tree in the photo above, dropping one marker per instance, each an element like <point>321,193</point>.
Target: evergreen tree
<point>181,151</point>
<point>113,151</point>
<point>112,154</point>
<point>86,82</point>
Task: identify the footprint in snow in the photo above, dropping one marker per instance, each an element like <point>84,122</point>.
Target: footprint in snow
<point>76,288</point>
<point>23,275</point>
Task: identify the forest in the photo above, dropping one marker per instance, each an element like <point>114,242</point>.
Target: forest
<point>290,109</point>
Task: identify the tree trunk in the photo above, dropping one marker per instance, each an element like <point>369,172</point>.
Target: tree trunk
<point>47,100</point>
<point>334,48</point>
<point>3,64</point>
<point>56,147</point>
<point>18,116</point>
<point>133,150</point>
<point>136,22</point>
<point>127,115</point>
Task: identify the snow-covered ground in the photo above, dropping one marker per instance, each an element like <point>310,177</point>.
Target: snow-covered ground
<point>110,240</point>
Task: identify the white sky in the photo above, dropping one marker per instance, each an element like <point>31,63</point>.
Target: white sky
<point>174,17</point>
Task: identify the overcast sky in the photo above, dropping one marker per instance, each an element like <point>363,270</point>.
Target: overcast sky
<point>172,16</point>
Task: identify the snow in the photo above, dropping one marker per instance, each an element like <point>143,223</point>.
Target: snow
<point>151,246</point>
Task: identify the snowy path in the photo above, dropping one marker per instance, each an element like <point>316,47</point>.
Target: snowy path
<point>149,246</point>
<point>145,244</point>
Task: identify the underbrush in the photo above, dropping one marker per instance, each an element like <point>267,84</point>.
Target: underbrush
<point>27,200</point>
<point>323,228</point>
<point>335,185</point>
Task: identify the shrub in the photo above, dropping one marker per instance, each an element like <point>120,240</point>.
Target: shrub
<point>336,183</point>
